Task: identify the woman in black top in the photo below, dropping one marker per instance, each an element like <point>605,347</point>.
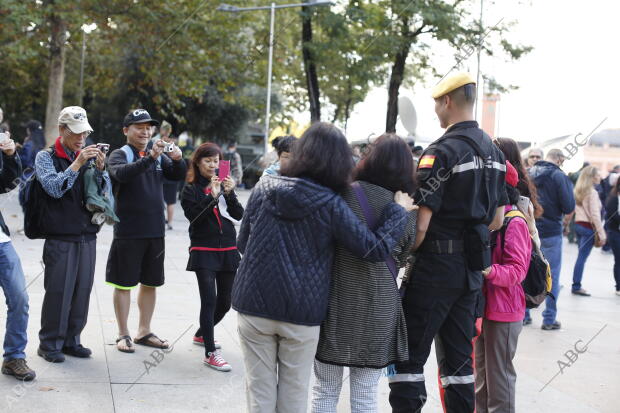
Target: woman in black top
<point>211,206</point>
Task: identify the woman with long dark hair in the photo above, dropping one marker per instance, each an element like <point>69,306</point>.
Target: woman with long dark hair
<point>212,207</point>
<point>288,236</point>
<point>528,199</point>
<point>365,328</point>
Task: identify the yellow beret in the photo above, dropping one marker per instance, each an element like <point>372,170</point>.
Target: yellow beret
<point>451,83</point>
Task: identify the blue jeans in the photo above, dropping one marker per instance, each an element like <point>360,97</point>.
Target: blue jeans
<point>585,241</point>
<point>614,242</point>
<point>14,285</point>
<point>551,248</point>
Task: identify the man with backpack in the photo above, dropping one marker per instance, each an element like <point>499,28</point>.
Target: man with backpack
<point>12,276</point>
<point>555,195</point>
<point>137,250</point>
<point>55,210</point>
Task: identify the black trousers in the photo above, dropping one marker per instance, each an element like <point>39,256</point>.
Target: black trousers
<point>446,315</point>
<point>215,290</point>
<point>68,281</point>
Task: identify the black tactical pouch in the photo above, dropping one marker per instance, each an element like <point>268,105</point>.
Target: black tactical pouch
<point>478,247</point>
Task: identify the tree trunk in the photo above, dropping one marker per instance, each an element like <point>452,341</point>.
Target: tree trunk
<point>312,81</point>
<point>396,79</point>
<point>57,77</point>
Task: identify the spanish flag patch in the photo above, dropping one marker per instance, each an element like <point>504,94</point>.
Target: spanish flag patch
<point>426,161</point>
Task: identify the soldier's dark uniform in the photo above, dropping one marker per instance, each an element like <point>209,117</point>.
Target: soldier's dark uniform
<point>462,188</point>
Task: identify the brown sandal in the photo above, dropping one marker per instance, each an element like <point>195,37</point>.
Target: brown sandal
<point>145,341</point>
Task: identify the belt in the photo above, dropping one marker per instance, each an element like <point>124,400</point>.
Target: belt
<point>443,246</point>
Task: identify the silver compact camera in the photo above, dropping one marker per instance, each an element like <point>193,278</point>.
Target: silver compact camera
<point>103,147</point>
<point>169,147</point>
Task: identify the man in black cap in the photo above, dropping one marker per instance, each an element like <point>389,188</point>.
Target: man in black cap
<point>137,251</point>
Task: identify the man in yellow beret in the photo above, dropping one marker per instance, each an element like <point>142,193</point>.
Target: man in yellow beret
<point>461,195</point>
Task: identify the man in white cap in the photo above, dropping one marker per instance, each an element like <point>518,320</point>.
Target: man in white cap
<point>70,235</point>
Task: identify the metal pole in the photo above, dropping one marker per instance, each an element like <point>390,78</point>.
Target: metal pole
<point>478,89</point>
<point>82,67</point>
<point>270,64</point>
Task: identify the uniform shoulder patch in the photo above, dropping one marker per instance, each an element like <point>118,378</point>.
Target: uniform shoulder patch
<point>426,161</point>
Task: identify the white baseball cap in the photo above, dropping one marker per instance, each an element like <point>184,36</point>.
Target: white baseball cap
<point>75,119</point>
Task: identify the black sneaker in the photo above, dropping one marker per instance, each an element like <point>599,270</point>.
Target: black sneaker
<point>555,326</point>
<point>18,369</point>
<point>51,356</point>
<point>527,321</point>
<point>79,351</point>
<point>581,292</point>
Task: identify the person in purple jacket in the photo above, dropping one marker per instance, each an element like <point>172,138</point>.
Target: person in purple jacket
<point>504,311</point>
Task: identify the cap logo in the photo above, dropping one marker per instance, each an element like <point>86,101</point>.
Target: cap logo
<point>139,112</point>
<point>80,116</point>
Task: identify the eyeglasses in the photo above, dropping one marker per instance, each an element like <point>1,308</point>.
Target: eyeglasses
<point>85,134</point>
<point>534,157</point>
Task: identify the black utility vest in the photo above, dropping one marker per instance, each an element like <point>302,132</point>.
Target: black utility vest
<point>67,218</point>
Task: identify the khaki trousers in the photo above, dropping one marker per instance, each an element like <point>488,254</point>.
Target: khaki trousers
<point>496,377</point>
<point>278,359</point>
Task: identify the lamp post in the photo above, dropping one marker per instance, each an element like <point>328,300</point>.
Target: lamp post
<point>272,8</point>
<point>86,28</point>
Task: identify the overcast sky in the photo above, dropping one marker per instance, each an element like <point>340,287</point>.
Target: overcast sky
<point>566,84</point>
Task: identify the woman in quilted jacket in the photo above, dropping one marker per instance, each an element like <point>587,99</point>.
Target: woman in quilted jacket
<point>504,311</point>
<point>288,236</point>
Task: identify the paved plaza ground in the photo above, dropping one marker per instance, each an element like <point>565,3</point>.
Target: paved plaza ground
<point>111,381</point>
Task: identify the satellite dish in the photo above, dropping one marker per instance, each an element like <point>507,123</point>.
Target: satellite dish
<point>407,114</point>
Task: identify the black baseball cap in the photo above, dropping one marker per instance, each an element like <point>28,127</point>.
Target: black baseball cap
<point>138,116</point>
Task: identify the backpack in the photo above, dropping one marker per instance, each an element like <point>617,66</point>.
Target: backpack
<point>537,282</point>
<point>35,205</point>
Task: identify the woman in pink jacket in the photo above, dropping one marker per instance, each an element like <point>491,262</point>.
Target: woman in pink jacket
<point>505,308</point>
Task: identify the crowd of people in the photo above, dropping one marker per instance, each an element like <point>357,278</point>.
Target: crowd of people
<point>314,271</point>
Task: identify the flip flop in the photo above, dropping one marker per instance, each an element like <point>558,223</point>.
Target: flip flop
<point>128,343</point>
<point>144,341</point>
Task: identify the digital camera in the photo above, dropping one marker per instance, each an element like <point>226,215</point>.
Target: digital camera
<point>103,147</point>
<point>169,147</point>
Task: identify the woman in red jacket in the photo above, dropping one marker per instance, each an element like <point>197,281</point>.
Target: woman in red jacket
<point>504,311</point>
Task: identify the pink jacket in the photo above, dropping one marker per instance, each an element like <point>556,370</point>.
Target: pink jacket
<point>505,300</point>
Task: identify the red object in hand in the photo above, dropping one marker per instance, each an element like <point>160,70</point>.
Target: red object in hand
<point>224,171</point>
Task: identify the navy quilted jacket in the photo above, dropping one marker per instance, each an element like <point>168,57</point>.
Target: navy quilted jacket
<point>287,239</point>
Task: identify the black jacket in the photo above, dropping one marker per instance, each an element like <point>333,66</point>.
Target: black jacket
<point>207,228</point>
<point>611,213</point>
<point>288,237</point>
<point>138,192</point>
<point>66,218</point>
<point>10,171</point>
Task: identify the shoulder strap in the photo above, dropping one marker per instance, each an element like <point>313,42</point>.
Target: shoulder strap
<point>371,219</point>
<point>509,216</point>
<point>128,153</point>
<point>459,135</point>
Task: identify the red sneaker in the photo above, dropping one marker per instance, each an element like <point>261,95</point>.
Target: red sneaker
<point>199,341</point>
<point>215,361</point>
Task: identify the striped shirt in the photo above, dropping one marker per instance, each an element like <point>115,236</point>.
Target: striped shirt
<point>365,324</point>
